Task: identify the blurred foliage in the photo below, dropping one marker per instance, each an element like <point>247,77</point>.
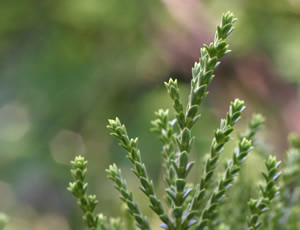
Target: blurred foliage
<point>67,66</point>
<point>3,221</point>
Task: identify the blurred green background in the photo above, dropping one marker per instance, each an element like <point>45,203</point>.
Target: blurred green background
<point>68,66</point>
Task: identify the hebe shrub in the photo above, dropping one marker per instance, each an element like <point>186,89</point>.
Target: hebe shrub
<point>201,204</point>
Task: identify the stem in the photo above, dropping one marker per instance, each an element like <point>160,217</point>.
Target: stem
<point>130,145</point>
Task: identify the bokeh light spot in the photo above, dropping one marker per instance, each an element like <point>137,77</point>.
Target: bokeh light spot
<point>14,122</point>
<point>66,145</point>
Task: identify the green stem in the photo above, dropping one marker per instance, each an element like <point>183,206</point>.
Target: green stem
<point>130,145</point>
<point>115,175</point>
<point>202,76</point>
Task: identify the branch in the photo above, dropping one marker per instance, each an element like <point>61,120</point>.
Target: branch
<point>268,192</point>
<point>130,145</point>
<point>115,175</point>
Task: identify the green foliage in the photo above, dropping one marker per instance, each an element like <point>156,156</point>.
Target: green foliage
<point>3,221</point>
<point>232,169</point>
<point>79,189</point>
<point>198,204</point>
<point>268,192</point>
<point>286,210</point>
<point>165,128</point>
<point>254,125</point>
<point>130,145</point>
<point>133,208</point>
<point>86,202</point>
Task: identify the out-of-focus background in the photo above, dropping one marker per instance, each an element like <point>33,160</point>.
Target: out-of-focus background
<point>68,66</point>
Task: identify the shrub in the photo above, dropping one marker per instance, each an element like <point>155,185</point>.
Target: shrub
<point>201,204</point>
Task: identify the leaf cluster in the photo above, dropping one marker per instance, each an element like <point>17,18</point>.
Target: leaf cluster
<point>190,205</point>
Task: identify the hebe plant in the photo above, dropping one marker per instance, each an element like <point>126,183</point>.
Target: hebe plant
<point>187,205</point>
